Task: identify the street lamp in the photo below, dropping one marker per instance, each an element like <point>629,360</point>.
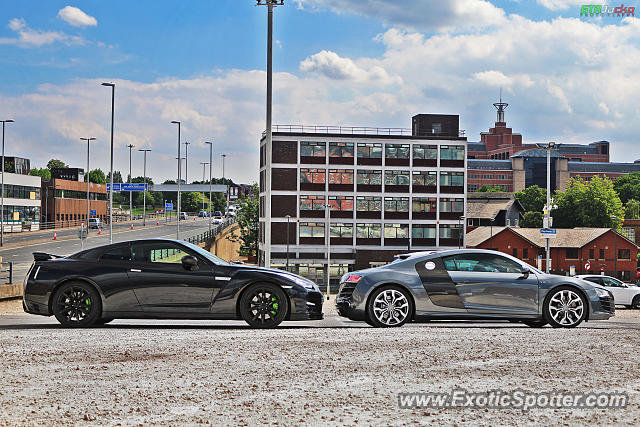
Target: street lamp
<point>210,178</point>
<point>328,210</point>
<point>548,207</point>
<point>130,192</point>
<point>288,218</point>
<point>460,232</point>
<point>178,220</point>
<point>204,165</point>
<point>268,137</point>
<point>88,175</point>
<point>226,207</point>
<point>615,248</point>
<point>491,239</point>
<point>113,95</point>
<point>2,207</point>
<point>186,162</point>
<point>144,193</point>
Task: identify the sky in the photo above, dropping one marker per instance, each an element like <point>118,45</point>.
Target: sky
<point>371,63</point>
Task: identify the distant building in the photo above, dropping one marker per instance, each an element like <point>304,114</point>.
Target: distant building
<point>17,165</point>
<point>70,174</point>
<point>65,201</point>
<point>21,200</point>
<point>601,249</point>
<point>501,208</point>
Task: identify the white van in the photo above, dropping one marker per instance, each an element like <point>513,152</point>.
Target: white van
<point>95,223</point>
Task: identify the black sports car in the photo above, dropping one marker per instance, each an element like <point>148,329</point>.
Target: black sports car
<point>163,279</point>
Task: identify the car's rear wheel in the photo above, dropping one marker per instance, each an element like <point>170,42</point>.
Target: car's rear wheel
<point>565,307</point>
<point>77,304</point>
<point>636,302</point>
<point>535,323</point>
<point>389,306</point>
<point>264,305</point>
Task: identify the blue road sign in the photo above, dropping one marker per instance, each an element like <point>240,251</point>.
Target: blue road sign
<point>93,212</point>
<point>548,233</point>
<point>168,206</point>
<point>125,186</point>
<point>116,186</point>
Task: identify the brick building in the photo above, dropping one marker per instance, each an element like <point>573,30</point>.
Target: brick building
<point>65,201</point>
<point>501,209</point>
<point>387,189</point>
<point>605,250</point>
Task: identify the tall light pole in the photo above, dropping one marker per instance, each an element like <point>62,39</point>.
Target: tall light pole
<point>2,206</point>
<point>288,218</point>
<point>328,210</point>
<point>210,178</point>
<point>615,248</point>
<point>113,95</point>
<point>130,146</point>
<point>226,207</point>
<point>547,222</point>
<point>144,193</point>
<point>88,175</point>
<point>186,162</point>
<point>178,218</point>
<point>268,137</point>
<point>204,166</point>
<point>460,232</point>
<point>491,238</point>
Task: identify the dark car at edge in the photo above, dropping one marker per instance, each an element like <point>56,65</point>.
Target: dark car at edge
<point>469,284</point>
<point>163,279</point>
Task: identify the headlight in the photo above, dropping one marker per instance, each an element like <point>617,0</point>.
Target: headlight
<point>602,292</point>
<point>305,283</point>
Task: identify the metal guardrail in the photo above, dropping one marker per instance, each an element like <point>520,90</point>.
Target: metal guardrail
<point>6,273</point>
<point>210,235</point>
<point>350,130</point>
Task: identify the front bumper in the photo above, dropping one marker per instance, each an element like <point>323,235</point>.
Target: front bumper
<point>602,308</point>
<point>307,306</point>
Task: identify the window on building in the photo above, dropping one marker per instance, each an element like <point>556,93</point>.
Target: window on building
<point>312,149</point>
<point>472,187</point>
<point>341,203</point>
<point>370,151</point>
<point>370,177</point>
<point>425,152</point>
<point>82,195</point>
<point>525,253</point>
<point>624,254</point>
<point>341,230</point>
<point>425,178</point>
<point>393,177</point>
<point>451,152</point>
<point>423,231</point>
<point>311,203</point>
<point>591,254</point>
<point>448,231</point>
<point>396,204</point>
<point>629,233</point>
<point>572,253</point>
<point>341,149</point>
<point>313,176</point>
<point>369,203</point>
<point>515,252</point>
<point>436,128</point>
<point>452,205</point>
<point>396,231</point>
<point>424,204</point>
<point>601,256</point>
<point>453,179</point>
<point>340,176</point>
<point>312,229</point>
<point>396,151</point>
<point>368,231</point>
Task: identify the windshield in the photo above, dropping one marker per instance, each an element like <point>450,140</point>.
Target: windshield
<point>211,257</point>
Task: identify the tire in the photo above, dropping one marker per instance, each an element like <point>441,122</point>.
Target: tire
<point>264,305</point>
<point>635,303</point>
<point>76,305</point>
<point>389,307</point>
<point>535,323</point>
<point>565,307</point>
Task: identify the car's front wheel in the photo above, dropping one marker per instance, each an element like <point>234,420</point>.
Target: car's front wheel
<point>636,302</point>
<point>264,305</point>
<point>389,306</point>
<point>565,307</point>
<point>77,304</point>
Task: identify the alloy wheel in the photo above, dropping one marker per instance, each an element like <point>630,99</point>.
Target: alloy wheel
<point>566,308</point>
<point>391,307</point>
<point>74,304</point>
<point>264,306</point>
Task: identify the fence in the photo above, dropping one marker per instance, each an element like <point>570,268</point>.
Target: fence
<point>208,236</point>
<point>6,273</point>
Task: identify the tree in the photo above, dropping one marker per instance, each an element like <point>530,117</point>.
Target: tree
<point>42,173</point>
<point>632,209</point>
<point>96,176</point>
<point>589,204</point>
<point>248,218</point>
<point>532,198</point>
<point>55,163</point>
<point>628,186</point>
<point>532,219</point>
<point>117,176</point>
<point>490,189</point>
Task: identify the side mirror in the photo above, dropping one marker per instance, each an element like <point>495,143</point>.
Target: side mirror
<point>525,272</point>
<point>190,262</point>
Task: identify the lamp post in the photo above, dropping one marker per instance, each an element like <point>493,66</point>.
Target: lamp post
<point>204,165</point>
<point>460,231</point>
<point>548,207</point>
<point>144,193</point>
<point>268,137</point>
<point>113,95</point>
<point>210,178</point>
<point>186,162</point>
<point>328,210</point>
<point>226,207</point>
<point>178,218</point>
<point>288,219</point>
<point>130,146</point>
<point>88,175</point>
<point>491,239</point>
<point>615,248</point>
<point>2,206</point>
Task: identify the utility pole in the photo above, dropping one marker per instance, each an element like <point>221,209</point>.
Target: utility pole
<point>113,97</point>
<point>130,192</point>
<point>144,193</point>
<point>210,144</point>
<point>204,165</point>
<point>547,220</point>
<point>2,208</point>
<point>186,162</point>
<point>226,208</point>
<point>88,175</point>
<point>178,217</point>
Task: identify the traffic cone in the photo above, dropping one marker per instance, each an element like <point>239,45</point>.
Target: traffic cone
<point>99,231</point>
<point>132,226</point>
<point>55,235</point>
<point>194,218</point>
<point>157,222</point>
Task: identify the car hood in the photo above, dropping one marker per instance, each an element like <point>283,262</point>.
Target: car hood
<point>281,273</point>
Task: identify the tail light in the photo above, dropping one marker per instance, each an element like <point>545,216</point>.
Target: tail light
<point>353,278</point>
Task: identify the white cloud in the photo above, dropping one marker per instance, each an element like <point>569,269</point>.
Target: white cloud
<point>498,79</point>
<point>76,17</point>
<point>331,65</point>
<point>560,4</point>
<point>28,37</point>
<point>427,15</point>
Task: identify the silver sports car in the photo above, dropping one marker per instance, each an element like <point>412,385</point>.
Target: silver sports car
<point>469,284</point>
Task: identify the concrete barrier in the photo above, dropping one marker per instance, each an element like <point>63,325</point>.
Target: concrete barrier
<point>10,291</point>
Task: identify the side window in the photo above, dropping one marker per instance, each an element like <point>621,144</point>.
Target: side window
<point>611,282</point>
<point>597,280</point>
<point>158,252</point>
<point>483,263</point>
<point>122,253</point>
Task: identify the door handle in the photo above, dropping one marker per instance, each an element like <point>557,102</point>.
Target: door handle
<point>135,270</point>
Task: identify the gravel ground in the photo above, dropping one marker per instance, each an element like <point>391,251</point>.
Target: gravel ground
<point>329,372</point>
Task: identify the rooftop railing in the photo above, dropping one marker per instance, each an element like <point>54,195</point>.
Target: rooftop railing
<point>352,130</point>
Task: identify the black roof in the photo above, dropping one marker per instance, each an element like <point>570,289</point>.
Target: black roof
<point>603,167</point>
<point>488,164</point>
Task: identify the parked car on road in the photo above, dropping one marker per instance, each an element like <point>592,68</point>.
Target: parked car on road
<point>95,223</point>
<point>216,220</point>
<point>183,216</point>
<point>203,214</point>
<point>469,284</point>
<point>163,279</point>
<point>624,293</point>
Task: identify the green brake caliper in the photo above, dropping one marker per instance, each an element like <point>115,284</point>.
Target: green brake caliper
<point>274,305</point>
<point>87,303</point>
